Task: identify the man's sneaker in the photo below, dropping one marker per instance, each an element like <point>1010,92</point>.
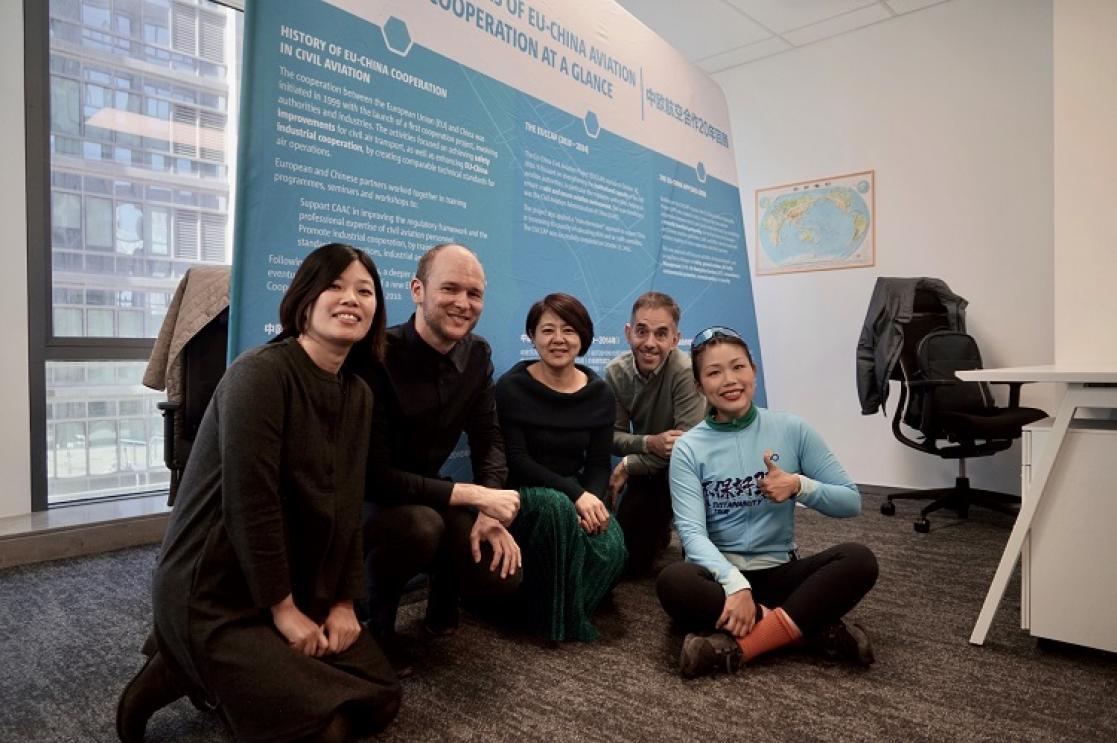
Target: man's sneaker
<point>393,646</point>
<point>443,614</point>
<point>708,654</point>
<point>845,642</point>
<point>399,657</point>
<point>433,630</point>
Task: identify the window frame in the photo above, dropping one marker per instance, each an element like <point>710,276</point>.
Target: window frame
<point>43,345</point>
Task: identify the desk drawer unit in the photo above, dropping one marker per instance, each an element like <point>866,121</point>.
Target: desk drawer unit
<point>1069,562</point>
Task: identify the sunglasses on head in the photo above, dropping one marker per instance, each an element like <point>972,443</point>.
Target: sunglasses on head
<point>717,331</point>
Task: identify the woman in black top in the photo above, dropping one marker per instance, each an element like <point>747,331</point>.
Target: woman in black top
<point>557,421</point>
<point>254,589</point>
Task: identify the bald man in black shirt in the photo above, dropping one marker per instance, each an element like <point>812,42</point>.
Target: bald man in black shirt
<point>435,384</point>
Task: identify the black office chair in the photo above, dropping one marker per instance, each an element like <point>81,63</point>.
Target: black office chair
<point>203,364</point>
<point>956,419</point>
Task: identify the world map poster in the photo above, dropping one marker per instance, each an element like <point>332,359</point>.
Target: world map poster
<point>816,225</point>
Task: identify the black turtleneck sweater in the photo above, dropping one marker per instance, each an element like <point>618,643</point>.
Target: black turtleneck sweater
<point>559,440</point>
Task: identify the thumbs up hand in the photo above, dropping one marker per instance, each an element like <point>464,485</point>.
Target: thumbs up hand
<point>777,486</point>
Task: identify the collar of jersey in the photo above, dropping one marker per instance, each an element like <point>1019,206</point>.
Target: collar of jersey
<point>737,424</point>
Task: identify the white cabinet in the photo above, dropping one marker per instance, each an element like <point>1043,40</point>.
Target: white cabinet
<point>1069,561</point>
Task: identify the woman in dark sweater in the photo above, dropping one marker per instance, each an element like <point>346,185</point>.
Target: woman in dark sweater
<point>254,588</point>
<point>557,421</point>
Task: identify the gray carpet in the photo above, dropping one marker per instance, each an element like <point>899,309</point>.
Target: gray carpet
<point>70,633</point>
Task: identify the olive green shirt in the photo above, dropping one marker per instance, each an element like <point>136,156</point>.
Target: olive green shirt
<point>667,398</point>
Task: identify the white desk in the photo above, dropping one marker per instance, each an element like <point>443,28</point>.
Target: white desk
<point>1083,391</point>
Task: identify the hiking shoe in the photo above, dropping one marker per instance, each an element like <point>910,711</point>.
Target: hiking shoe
<point>708,654</point>
<point>844,642</point>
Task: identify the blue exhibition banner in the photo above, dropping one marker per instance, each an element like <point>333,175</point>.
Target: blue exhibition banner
<point>567,145</point>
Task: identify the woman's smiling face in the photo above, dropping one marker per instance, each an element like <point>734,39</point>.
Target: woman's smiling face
<point>556,341</point>
<point>727,379</point>
<point>342,314</point>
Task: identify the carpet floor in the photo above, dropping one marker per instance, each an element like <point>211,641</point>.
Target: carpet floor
<point>70,633</point>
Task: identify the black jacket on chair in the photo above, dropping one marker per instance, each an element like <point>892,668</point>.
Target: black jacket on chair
<point>882,335</point>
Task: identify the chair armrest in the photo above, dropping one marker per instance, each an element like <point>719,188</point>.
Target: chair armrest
<point>919,383</point>
<point>169,409</point>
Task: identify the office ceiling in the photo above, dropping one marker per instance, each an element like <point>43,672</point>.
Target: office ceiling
<point>719,34</point>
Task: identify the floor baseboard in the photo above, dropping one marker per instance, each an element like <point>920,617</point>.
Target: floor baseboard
<point>84,529</point>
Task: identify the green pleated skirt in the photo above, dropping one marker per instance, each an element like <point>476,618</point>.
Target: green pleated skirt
<point>566,571</point>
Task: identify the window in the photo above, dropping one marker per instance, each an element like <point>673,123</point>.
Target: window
<point>98,224</point>
<point>140,97</point>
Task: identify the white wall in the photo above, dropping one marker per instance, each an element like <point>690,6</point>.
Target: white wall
<point>1085,54</point>
<point>952,107</point>
<point>15,449</point>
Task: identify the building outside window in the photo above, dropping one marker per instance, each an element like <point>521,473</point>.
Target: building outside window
<point>142,141</point>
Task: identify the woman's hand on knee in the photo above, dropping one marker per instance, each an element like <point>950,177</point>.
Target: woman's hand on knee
<point>739,614</point>
<point>300,631</point>
<point>592,514</point>
<point>341,627</point>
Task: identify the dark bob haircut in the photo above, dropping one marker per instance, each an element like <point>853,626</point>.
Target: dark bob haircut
<point>317,272</point>
<point>716,338</point>
<point>570,311</point>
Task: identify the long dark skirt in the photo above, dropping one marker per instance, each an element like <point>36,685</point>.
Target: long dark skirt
<point>566,571</point>
<point>266,691</point>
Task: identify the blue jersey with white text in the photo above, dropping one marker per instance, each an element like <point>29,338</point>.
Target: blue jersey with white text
<point>723,519</point>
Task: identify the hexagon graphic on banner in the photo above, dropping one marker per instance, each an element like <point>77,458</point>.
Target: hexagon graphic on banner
<point>593,128</point>
<point>396,36</point>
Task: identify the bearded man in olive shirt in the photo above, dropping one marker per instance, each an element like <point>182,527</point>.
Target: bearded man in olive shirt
<point>657,400</point>
<point>436,383</point>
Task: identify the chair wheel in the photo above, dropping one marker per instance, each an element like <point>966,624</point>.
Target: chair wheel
<point>888,508</point>
<point>922,526</point>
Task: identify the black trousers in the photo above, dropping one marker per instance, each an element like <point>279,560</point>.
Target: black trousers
<point>402,542</point>
<point>644,515</point>
<point>814,591</point>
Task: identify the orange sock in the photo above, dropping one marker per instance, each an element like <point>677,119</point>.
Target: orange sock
<point>775,630</point>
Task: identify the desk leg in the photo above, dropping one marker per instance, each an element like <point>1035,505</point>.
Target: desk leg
<point>1077,396</point>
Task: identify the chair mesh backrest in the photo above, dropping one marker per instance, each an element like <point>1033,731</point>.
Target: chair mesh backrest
<point>939,355</point>
<point>928,315</point>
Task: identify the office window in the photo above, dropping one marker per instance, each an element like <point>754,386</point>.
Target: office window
<point>104,435</point>
<point>141,114</point>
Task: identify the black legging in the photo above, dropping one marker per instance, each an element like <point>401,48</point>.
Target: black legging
<point>814,591</point>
